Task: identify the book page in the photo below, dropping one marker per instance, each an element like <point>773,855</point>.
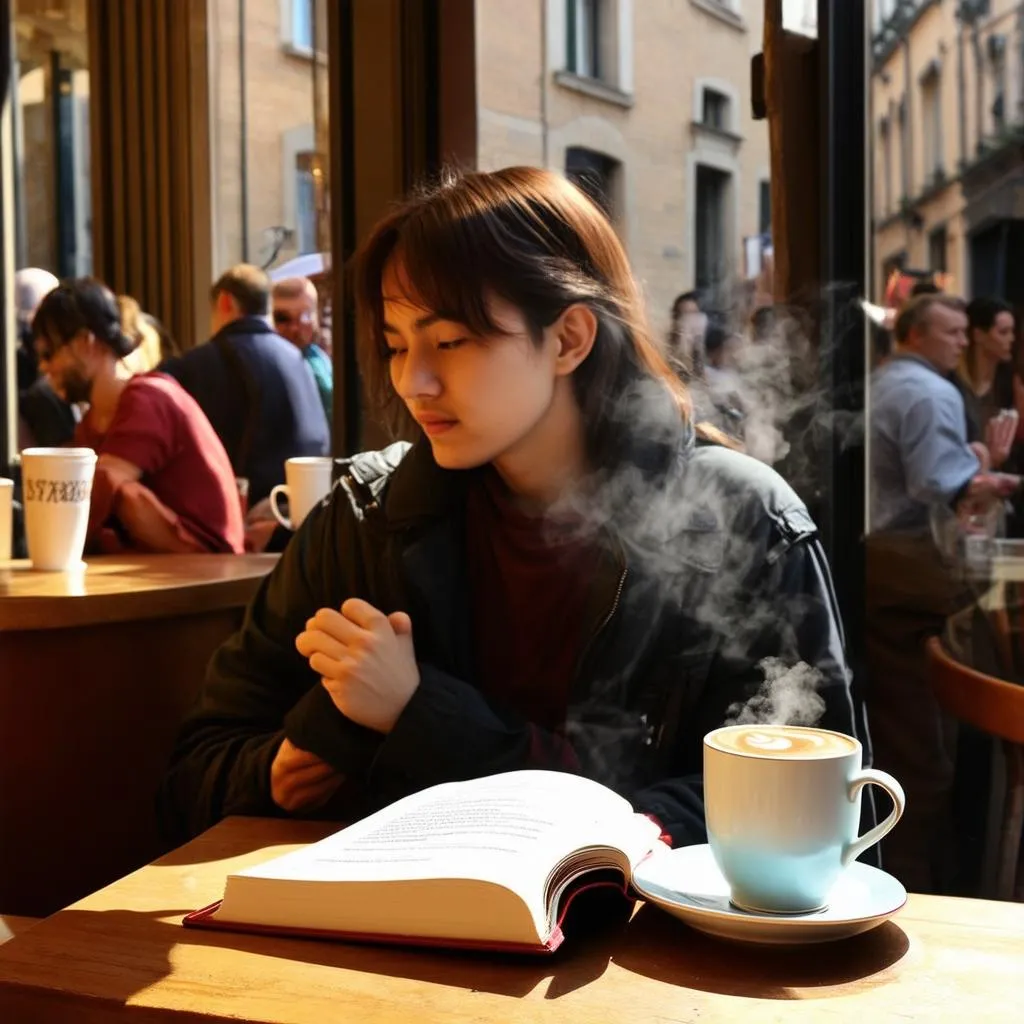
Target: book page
<point>509,829</point>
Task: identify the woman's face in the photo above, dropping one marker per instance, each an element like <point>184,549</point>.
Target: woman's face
<point>475,397</point>
<point>997,341</point>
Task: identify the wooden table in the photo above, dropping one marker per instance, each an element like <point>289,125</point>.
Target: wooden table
<point>97,669</point>
<point>121,954</point>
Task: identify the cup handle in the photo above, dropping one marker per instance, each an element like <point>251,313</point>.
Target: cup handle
<point>865,777</point>
<point>278,514</point>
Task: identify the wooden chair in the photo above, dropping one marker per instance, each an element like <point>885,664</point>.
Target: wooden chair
<point>996,707</point>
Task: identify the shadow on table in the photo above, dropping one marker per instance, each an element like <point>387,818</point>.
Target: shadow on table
<point>141,944</point>
<point>653,945</point>
<point>660,947</point>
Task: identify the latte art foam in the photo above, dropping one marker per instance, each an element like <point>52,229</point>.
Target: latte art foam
<point>781,741</point>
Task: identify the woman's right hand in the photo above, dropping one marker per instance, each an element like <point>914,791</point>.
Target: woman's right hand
<point>299,780</point>
<point>999,436</point>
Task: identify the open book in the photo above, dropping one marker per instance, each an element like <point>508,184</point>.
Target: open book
<point>488,863</point>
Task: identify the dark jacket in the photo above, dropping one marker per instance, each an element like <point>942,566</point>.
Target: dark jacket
<point>718,570</point>
<point>260,397</point>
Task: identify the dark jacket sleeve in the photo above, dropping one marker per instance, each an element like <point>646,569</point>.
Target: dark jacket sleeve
<point>258,689</point>
<point>450,730</point>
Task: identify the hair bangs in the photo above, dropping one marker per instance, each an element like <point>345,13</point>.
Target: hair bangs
<point>448,265</point>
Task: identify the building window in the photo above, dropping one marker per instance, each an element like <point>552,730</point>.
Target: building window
<point>938,240</point>
<point>302,24</point>
<point>584,26</point>
<point>885,192</point>
<point>51,160</point>
<point>595,173</point>
<point>715,112</point>
<point>712,226</point>
<point>997,57</point>
<point>305,204</point>
<point>904,150</point>
<point>931,123</point>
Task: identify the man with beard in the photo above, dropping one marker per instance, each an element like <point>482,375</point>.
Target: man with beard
<point>163,480</point>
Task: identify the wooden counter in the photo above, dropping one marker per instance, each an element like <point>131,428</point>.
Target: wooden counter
<point>124,956</point>
<point>97,670</point>
<point>126,588</point>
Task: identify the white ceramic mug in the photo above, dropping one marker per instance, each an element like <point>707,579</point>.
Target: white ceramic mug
<point>308,480</point>
<point>6,518</point>
<point>56,487</point>
<point>783,807</point>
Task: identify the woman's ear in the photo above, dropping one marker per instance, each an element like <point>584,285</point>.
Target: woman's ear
<point>576,331</point>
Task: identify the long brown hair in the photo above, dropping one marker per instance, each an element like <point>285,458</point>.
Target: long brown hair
<point>532,238</point>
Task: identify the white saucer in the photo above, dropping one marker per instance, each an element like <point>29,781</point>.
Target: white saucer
<point>687,883</point>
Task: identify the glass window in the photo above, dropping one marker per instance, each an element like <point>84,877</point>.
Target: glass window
<point>303,22</point>
<point>584,37</point>
<point>931,125</point>
<point>305,203</point>
<point>53,207</point>
<point>715,112</point>
<point>595,173</point>
<point>712,228</point>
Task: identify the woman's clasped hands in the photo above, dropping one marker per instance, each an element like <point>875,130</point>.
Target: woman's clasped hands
<point>365,659</point>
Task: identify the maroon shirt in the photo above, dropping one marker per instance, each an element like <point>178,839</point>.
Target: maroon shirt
<point>158,427</point>
<point>530,585</point>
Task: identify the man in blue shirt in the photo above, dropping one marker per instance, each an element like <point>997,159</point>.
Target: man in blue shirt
<point>255,388</point>
<point>923,473</point>
<point>296,318</point>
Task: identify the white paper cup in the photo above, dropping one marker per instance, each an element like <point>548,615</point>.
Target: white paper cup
<point>6,517</point>
<point>308,481</point>
<point>57,485</point>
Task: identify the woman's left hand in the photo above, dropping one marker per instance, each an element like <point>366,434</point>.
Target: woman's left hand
<point>365,659</point>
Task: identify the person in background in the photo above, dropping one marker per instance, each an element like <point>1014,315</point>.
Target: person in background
<point>296,319</point>
<point>43,417</point>
<point>255,388</point>
<point>685,346</point>
<point>723,384</point>
<point>560,572</point>
<point>923,472</point>
<point>148,352</point>
<point>985,377</point>
<point>163,482</point>
<point>169,348</point>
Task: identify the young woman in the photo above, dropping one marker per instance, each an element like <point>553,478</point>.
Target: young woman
<point>557,573</point>
<point>985,376</point>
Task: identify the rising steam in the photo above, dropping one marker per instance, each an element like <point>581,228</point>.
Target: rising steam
<point>788,696</point>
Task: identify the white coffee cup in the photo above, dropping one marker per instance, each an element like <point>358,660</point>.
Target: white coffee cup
<point>6,518</point>
<point>308,480</point>
<point>56,487</point>
<point>782,805</point>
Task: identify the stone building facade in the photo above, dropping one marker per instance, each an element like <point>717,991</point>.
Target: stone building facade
<point>947,98</point>
<point>649,102</point>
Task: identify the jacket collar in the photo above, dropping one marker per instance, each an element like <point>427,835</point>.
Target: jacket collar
<point>420,489</point>
<point>244,325</point>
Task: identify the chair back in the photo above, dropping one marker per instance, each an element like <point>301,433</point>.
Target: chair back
<point>992,705</point>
